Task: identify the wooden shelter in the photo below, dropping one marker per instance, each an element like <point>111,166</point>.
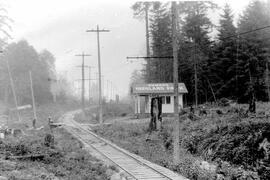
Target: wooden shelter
<point>143,93</point>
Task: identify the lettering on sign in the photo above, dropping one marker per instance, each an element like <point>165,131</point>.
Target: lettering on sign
<point>158,88</point>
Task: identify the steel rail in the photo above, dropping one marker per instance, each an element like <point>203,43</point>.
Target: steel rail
<point>81,139</point>
<point>120,150</point>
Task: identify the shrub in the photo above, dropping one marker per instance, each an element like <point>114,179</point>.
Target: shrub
<point>224,102</point>
<point>49,140</point>
<point>236,143</point>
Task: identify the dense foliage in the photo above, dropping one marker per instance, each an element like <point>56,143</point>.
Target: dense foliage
<point>23,58</point>
<point>64,160</point>
<point>230,143</point>
<point>231,64</point>
<point>238,143</point>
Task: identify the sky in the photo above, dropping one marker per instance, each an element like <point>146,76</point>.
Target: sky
<point>60,27</point>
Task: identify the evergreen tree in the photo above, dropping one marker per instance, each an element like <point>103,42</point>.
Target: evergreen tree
<point>253,52</point>
<point>161,45</point>
<point>5,29</point>
<point>223,70</point>
<point>140,11</point>
<point>195,29</point>
<point>23,58</point>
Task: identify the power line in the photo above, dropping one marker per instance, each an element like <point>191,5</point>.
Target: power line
<point>246,32</point>
<point>231,36</point>
<point>228,37</point>
<point>238,34</point>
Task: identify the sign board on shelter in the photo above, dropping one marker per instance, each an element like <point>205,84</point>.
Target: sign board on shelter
<point>157,88</point>
<point>28,106</point>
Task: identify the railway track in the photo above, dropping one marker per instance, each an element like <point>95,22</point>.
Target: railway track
<point>135,166</point>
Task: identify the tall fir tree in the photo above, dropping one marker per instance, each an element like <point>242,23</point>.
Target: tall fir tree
<point>196,49</point>
<point>253,52</point>
<point>23,58</point>
<point>141,10</point>
<point>161,43</point>
<point>224,63</point>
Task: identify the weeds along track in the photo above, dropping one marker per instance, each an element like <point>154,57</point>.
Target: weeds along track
<point>135,166</point>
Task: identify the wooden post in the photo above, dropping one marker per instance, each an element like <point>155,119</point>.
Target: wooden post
<point>139,104</point>
<point>99,73</point>
<point>13,91</point>
<point>99,80</point>
<point>146,8</point>
<point>195,75</point>
<point>83,80</point>
<point>267,80</point>
<point>267,60</point>
<point>89,86</point>
<point>135,105</point>
<point>176,146</point>
<point>33,97</point>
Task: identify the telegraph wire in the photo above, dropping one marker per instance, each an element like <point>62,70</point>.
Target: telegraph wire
<point>228,37</point>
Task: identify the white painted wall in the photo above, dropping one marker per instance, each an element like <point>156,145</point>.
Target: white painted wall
<point>166,108</point>
<point>180,100</point>
<point>147,104</point>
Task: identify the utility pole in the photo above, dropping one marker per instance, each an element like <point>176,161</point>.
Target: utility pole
<point>236,69</point>
<point>111,90</point>
<point>146,8</point>
<point>175,58</point>
<point>102,87</point>
<point>267,61</point>
<point>82,98</point>
<point>195,75</point>
<point>176,148</point>
<point>102,83</point>
<point>267,79</point>
<point>99,71</point>
<point>33,96</point>
<point>13,91</point>
<point>108,92</point>
<point>89,85</point>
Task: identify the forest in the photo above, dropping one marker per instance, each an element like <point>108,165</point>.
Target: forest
<point>228,59</point>
<point>18,59</point>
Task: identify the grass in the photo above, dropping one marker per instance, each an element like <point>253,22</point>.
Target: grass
<point>66,159</point>
<point>110,111</point>
<point>53,110</point>
<point>228,141</point>
<point>159,150</point>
